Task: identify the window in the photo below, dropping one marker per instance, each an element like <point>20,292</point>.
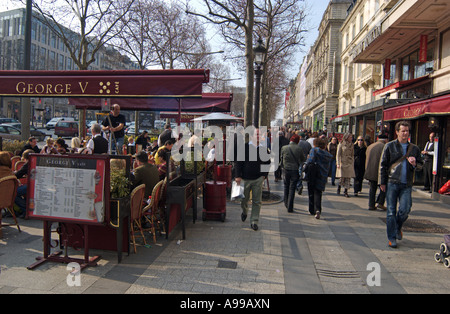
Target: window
<point>361,22</point>
<point>445,49</point>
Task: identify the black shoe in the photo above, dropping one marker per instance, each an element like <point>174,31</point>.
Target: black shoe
<point>300,190</point>
<point>339,190</point>
<point>243,217</point>
<point>254,226</point>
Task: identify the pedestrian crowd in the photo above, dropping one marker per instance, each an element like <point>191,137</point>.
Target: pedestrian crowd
<point>304,156</point>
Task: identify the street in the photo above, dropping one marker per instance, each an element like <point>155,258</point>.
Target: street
<point>344,252</point>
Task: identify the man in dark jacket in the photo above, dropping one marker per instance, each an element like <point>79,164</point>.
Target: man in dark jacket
<point>399,161</point>
<point>292,157</point>
<point>32,144</point>
<point>252,171</point>
<point>145,173</point>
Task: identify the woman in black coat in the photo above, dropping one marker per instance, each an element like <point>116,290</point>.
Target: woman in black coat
<point>360,163</point>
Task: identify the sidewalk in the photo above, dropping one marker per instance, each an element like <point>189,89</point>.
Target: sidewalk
<point>291,253</point>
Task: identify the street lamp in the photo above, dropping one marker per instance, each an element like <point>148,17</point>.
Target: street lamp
<point>259,52</point>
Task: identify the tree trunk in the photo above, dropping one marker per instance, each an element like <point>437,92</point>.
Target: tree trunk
<point>248,105</point>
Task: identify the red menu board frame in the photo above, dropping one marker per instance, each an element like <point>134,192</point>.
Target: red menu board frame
<point>59,188</point>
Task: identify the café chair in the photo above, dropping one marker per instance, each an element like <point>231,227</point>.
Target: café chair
<point>19,164</point>
<point>8,192</point>
<point>152,209</point>
<point>14,160</point>
<point>136,204</point>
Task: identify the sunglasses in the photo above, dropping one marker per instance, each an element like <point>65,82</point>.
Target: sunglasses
<point>360,140</point>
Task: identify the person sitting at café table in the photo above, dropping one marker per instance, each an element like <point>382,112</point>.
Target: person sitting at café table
<point>145,173</point>
<point>161,153</point>
<point>5,171</point>
<point>32,144</point>
<point>49,147</point>
<point>61,146</point>
<point>20,200</point>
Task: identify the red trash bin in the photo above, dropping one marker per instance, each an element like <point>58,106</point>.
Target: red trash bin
<point>214,200</point>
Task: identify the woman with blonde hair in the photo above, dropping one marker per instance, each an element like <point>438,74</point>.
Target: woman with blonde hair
<point>345,163</point>
<point>49,147</point>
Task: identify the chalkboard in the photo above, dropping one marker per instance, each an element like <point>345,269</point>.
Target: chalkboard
<point>71,188</point>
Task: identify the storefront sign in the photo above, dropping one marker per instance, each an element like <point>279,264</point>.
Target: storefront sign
<point>373,34</point>
<point>144,83</point>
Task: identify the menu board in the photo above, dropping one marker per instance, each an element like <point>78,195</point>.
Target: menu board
<point>67,187</point>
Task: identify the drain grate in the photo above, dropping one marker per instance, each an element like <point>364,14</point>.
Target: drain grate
<point>227,264</point>
<point>337,273</point>
<point>421,225</point>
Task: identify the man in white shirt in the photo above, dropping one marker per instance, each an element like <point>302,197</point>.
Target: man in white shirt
<point>97,144</point>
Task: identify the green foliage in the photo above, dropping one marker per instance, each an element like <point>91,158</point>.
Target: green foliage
<point>120,185</point>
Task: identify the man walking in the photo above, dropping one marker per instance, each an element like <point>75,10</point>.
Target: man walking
<point>428,153</point>
<point>373,156</point>
<point>250,170</point>
<point>306,147</point>
<point>398,162</point>
<point>292,157</point>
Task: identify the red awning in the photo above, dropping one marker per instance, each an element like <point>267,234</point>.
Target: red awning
<point>433,106</point>
<point>110,84</point>
<point>398,85</point>
<point>218,102</point>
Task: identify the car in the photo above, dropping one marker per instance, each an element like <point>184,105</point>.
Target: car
<point>39,135</point>
<point>52,123</point>
<point>10,132</point>
<point>66,128</point>
<point>8,120</point>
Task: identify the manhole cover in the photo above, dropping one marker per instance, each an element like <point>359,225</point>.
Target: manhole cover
<point>421,225</point>
<point>227,264</point>
<point>338,273</point>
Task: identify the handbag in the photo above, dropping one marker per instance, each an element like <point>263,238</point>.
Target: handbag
<point>237,191</point>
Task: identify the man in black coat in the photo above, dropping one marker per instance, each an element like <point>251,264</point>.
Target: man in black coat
<point>252,171</point>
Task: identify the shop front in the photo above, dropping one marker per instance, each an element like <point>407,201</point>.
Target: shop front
<point>426,116</point>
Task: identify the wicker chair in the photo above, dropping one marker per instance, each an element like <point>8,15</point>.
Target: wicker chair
<point>8,192</point>
<point>151,210</point>
<point>136,203</point>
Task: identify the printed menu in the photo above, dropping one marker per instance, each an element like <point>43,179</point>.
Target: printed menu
<point>67,188</point>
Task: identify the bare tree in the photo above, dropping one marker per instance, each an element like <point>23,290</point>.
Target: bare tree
<point>239,15</point>
<point>93,22</point>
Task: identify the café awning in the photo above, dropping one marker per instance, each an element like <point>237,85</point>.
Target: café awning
<point>137,84</point>
<point>208,102</point>
<point>433,106</point>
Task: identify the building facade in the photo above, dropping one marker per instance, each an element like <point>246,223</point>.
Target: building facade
<point>322,70</point>
<point>47,53</point>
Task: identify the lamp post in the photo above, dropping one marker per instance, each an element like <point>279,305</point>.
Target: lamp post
<point>259,52</point>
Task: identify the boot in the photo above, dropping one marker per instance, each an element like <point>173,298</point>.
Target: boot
<point>346,193</point>
<point>339,189</point>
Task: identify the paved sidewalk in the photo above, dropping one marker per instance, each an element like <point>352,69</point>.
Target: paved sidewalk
<point>290,253</point>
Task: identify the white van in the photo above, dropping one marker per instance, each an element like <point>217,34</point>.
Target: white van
<point>52,123</point>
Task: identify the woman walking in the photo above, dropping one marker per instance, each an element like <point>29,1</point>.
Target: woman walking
<point>316,185</point>
<point>332,149</point>
<point>345,163</point>
<point>360,163</point>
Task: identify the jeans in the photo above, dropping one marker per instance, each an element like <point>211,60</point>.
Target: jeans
<point>290,185</point>
<point>395,219</point>
<point>119,141</point>
<point>255,186</point>
<point>373,187</point>
<point>315,199</point>
<point>333,170</point>
<point>20,201</point>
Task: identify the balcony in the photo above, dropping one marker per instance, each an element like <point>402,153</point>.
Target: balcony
<point>371,76</point>
<point>348,89</point>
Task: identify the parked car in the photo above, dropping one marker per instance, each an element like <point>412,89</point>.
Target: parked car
<point>66,129</point>
<point>9,132</point>
<point>52,123</point>
<point>38,134</point>
<point>8,120</point>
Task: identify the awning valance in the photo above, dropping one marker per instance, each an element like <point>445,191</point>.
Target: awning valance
<point>110,84</point>
<point>433,106</point>
<point>208,102</point>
